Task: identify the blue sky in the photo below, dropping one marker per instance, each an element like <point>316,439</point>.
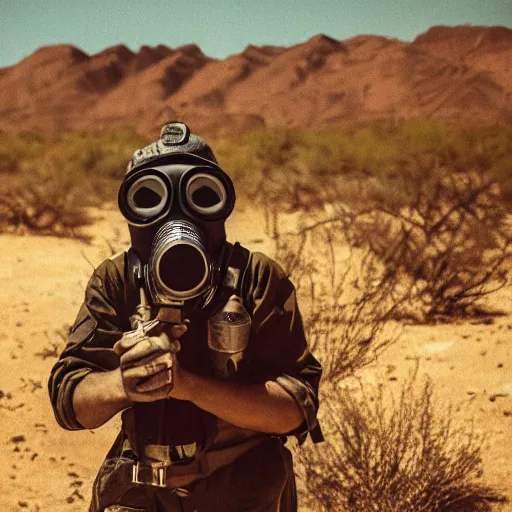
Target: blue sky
<point>220,27</point>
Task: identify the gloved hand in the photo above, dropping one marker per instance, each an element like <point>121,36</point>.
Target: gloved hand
<point>148,363</point>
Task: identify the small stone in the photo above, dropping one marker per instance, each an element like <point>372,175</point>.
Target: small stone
<point>23,504</point>
<point>18,439</point>
<point>500,365</point>
<point>493,397</point>
<point>34,455</point>
<point>19,324</point>
<point>483,353</point>
<point>471,392</point>
<point>507,413</point>
<point>70,499</point>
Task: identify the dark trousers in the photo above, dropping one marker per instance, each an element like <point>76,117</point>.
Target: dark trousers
<point>261,480</point>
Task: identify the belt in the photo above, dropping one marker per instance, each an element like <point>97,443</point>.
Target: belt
<point>163,464</point>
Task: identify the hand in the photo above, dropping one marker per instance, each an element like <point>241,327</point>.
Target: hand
<point>148,364</point>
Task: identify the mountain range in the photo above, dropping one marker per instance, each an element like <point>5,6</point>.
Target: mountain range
<point>461,74</point>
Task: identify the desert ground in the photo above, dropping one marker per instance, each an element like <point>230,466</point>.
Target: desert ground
<point>45,468</point>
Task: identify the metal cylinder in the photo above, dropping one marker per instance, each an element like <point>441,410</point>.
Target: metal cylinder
<point>228,336</point>
<point>179,262</point>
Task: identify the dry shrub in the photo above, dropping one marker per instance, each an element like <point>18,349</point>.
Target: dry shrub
<point>50,198</point>
<point>347,297</point>
<point>450,240</point>
<point>384,454</point>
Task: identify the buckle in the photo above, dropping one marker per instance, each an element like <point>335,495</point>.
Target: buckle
<point>155,469</point>
<point>150,473</point>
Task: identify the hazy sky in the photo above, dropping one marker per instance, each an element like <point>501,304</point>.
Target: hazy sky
<point>220,27</point>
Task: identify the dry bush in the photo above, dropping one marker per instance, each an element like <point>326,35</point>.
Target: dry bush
<point>49,198</point>
<point>347,297</point>
<point>451,241</point>
<point>384,454</point>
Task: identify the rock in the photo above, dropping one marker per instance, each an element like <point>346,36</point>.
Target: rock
<point>493,397</point>
<point>18,439</point>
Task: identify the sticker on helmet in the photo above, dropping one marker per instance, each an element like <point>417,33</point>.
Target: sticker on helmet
<point>174,134</point>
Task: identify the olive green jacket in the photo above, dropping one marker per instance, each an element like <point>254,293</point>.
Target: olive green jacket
<point>277,349</point>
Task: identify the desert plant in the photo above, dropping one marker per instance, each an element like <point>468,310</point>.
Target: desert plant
<point>388,454</point>
<point>347,296</point>
<point>450,239</point>
<point>50,198</point>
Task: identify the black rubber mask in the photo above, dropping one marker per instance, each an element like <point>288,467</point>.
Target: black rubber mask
<point>176,212</point>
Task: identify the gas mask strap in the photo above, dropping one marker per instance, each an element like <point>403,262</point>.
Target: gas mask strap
<point>233,270</point>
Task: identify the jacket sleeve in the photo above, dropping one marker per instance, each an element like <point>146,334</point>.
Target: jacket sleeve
<point>278,348</point>
<point>99,324</point>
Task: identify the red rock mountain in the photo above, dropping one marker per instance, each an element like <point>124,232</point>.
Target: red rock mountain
<point>461,73</point>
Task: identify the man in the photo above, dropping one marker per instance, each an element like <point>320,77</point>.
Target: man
<point>199,342</point>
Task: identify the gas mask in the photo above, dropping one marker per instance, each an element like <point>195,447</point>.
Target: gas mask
<point>176,201</point>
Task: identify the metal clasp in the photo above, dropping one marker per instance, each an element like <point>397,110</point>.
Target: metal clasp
<point>154,474</point>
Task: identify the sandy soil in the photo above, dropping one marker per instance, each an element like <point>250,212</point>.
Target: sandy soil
<point>46,468</point>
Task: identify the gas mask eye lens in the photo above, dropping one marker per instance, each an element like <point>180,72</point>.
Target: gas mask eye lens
<point>206,194</point>
<point>147,196</point>
<point>205,197</point>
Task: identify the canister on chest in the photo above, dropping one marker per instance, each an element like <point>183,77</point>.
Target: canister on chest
<point>228,336</point>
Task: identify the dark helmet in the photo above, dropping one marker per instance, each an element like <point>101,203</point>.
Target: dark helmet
<point>175,139</point>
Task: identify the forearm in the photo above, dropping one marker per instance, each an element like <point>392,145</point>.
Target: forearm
<point>262,407</point>
<point>98,397</point>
